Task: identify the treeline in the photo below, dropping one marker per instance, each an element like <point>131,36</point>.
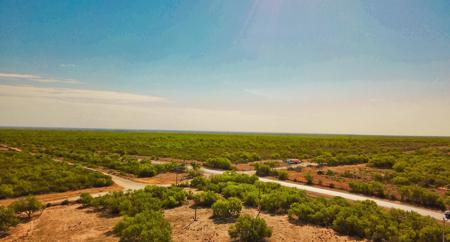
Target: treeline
<point>236,147</point>
<point>23,174</point>
<point>363,219</point>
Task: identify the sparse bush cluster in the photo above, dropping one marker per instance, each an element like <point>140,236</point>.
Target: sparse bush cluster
<point>206,199</point>
<point>372,188</point>
<point>227,208</point>
<point>143,220</point>
<point>250,229</point>
<point>422,196</point>
<point>385,162</point>
<point>341,159</point>
<point>219,163</point>
<point>242,156</point>
<point>148,225</point>
<point>267,170</point>
<point>9,216</point>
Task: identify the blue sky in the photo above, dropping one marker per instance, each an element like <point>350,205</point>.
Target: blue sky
<point>376,67</point>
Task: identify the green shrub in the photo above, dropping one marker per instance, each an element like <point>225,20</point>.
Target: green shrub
<point>227,208</point>
<point>7,219</point>
<point>422,196</point>
<point>145,226</point>
<point>263,169</point>
<point>382,162</point>
<point>317,212</point>
<point>282,175</point>
<point>250,229</point>
<point>27,205</point>
<point>86,199</point>
<point>369,188</point>
<point>219,163</point>
<point>279,200</point>
<point>206,198</point>
<point>309,179</point>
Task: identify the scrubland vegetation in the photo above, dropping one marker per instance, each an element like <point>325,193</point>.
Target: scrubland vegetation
<point>414,168</point>
<point>23,174</point>
<point>363,219</point>
<point>402,162</point>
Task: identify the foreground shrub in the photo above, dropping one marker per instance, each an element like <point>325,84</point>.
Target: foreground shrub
<point>382,162</point>
<point>227,208</point>
<point>145,226</point>
<point>219,163</point>
<point>263,169</point>
<point>317,212</point>
<point>309,179</point>
<point>86,199</point>
<point>422,196</point>
<point>206,198</point>
<point>249,229</point>
<point>369,188</point>
<point>27,205</point>
<point>7,219</point>
<point>282,175</point>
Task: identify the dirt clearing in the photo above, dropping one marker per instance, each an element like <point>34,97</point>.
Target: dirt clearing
<point>162,179</point>
<point>65,223</point>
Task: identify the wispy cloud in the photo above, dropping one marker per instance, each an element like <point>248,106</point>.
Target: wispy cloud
<point>35,78</point>
<point>78,95</point>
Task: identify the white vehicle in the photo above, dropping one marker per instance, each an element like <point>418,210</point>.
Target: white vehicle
<point>293,161</point>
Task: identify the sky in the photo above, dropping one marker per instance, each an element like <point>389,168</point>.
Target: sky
<point>318,66</point>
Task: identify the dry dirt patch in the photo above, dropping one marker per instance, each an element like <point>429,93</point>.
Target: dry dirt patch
<point>65,223</point>
<point>162,178</point>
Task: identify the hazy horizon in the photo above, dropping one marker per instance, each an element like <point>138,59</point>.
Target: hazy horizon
<point>313,67</point>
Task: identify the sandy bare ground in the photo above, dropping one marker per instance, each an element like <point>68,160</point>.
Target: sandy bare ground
<point>65,223</point>
<point>168,178</point>
<point>51,197</point>
<point>206,229</point>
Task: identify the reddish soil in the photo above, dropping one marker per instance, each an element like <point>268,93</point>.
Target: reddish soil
<point>338,180</point>
<point>65,223</point>
<point>45,198</point>
<point>251,165</point>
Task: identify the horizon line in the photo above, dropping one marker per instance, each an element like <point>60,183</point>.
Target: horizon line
<point>214,131</point>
